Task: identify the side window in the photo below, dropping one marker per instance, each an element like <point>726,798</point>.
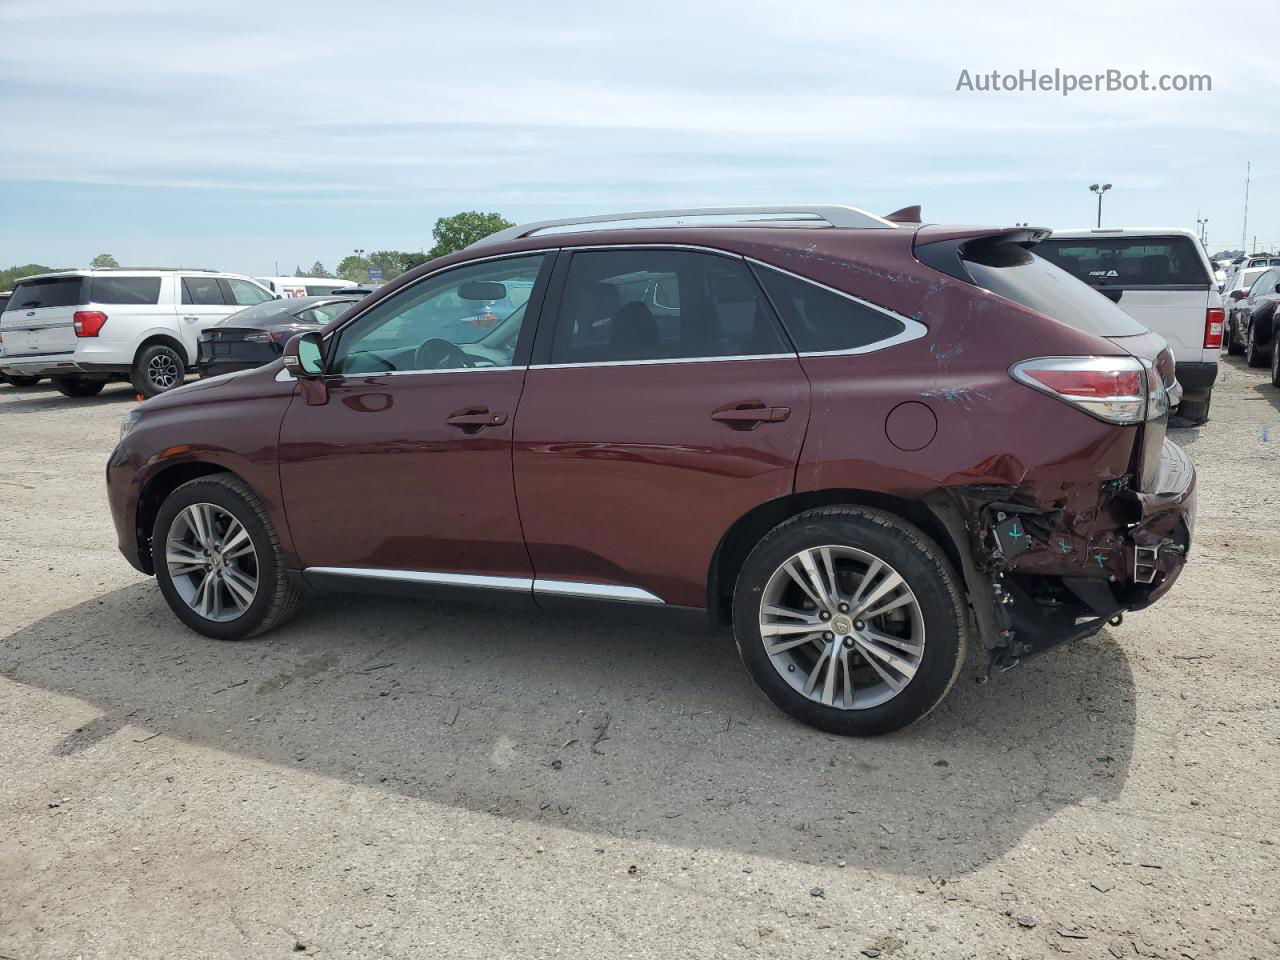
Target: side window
<point>1264,284</point>
<point>657,304</point>
<point>470,316</point>
<point>134,290</point>
<point>244,293</point>
<point>820,320</point>
<point>202,291</point>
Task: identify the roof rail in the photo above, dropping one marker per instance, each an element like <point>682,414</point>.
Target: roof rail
<point>807,215</point>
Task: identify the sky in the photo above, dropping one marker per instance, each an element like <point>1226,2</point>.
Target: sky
<point>241,136</point>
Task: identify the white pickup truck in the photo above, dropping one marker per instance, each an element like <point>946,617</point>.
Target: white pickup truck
<point>1165,281</point>
<point>83,328</point>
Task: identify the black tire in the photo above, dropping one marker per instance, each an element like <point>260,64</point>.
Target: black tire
<point>78,386</point>
<point>1275,362</point>
<point>158,369</point>
<point>1234,346</point>
<point>1253,354</point>
<point>1195,410</point>
<point>21,381</point>
<point>927,572</point>
<point>275,600</point>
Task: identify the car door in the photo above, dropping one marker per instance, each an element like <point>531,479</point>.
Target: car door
<point>403,473</point>
<point>663,405</point>
<point>1260,306</point>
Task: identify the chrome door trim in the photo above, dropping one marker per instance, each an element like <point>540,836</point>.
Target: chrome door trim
<point>561,588</point>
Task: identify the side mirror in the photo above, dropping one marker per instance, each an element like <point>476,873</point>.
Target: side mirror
<point>304,356</point>
<point>1236,295</point>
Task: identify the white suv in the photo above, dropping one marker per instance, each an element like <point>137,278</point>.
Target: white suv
<point>1164,280</point>
<point>83,328</point>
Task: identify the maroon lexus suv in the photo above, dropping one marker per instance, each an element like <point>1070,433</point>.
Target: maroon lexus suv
<point>862,442</point>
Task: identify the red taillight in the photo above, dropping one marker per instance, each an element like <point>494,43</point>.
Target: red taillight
<point>486,319</point>
<point>1214,317</point>
<point>1114,389</point>
<point>88,322</point>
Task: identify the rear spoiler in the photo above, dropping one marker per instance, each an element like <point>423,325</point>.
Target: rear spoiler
<point>945,248</point>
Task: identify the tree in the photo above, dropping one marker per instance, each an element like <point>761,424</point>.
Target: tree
<point>318,270</point>
<point>11,275</point>
<point>355,269</point>
<point>297,272</point>
<point>104,260</point>
<point>409,259</point>
<point>463,229</point>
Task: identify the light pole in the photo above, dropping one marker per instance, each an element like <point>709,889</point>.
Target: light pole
<point>1099,190</point>
<point>1203,225</point>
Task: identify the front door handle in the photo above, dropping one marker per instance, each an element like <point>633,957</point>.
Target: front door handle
<point>744,417</point>
<point>476,418</point>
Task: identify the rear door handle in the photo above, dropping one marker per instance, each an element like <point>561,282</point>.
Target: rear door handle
<point>746,416</point>
<point>476,418</point>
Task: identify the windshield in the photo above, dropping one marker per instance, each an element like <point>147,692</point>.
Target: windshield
<point>1016,274</point>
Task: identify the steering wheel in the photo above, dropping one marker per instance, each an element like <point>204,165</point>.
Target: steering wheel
<point>437,354</point>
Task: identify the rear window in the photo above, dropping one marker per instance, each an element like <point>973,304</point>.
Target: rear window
<point>53,292</point>
<point>1128,261</point>
<point>321,289</point>
<point>1013,272</point>
<point>138,290</point>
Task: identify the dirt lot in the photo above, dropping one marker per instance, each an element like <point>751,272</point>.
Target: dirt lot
<point>395,779</point>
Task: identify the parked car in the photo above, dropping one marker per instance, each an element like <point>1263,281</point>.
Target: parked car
<point>1251,322</point>
<point>1164,280</point>
<point>83,328</point>
<point>839,435</point>
<point>308,286</point>
<point>257,335</point>
<point>14,381</point>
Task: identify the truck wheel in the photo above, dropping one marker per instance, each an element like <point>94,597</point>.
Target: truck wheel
<point>850,620</point>
<point>157,369</point>
<point>78,386</point>
<point>1195,410</point>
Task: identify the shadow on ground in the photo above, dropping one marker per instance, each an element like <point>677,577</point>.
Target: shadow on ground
<point>596,723</point>
<point>44,397</point>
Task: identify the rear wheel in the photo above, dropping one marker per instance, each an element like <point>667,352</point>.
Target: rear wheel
<point>78,386</point>
<point>218,560</point>
<point>1234,347</point>
<point>1252,352</point>
<point>157,369</point>
<point>1275,363</point>
<point>21,381</point>
<point>1195,410</point>
<point>850,620</point>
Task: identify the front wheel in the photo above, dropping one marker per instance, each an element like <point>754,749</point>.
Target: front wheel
<point>21,381</point>
<point>1234,347</point>
<point>850,620</point>
<point>1275,362</point>
<point>218,560</point>
<point>78,386</point>
<point>157,369</point>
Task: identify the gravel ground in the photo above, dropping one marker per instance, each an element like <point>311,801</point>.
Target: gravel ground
<point>383,778</point>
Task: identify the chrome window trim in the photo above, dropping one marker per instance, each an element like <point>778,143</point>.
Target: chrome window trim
<point>563,588</point>
<point>660,361</point>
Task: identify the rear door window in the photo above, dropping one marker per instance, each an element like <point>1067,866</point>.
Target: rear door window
<point>243,292</point>
<point>202,291</point>
<point>1264,284</point>
<point>1128,261</point>
<point>635,305</point>
<point>48,292</point>
<point>135,290</point>
<point>823,321</point>
<point>1010,271</point>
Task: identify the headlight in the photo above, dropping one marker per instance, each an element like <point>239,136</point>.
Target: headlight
<point>129,421</point>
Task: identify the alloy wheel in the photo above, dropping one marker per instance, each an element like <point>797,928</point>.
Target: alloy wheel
<point>212,562</point>
<point>842,627</point>
<point>162,370</point>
